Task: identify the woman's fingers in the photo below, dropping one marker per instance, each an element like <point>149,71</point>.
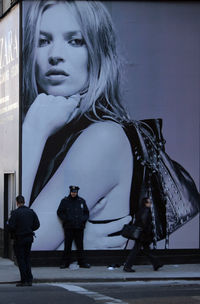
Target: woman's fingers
<point>48,113</point>
<point>74,102</point>
<point>115,242</point>
<point>96,236</point>
<point>98,207</point>
<point>117,225</point>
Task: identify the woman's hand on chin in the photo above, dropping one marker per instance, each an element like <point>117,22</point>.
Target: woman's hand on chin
<point>49,113</point>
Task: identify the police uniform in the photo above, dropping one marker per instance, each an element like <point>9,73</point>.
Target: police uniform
<point>74,214</point>
<point>21,224</point>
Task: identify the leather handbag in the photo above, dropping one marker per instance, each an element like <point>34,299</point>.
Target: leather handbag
<point>131,231</point>
<point>172,190</point>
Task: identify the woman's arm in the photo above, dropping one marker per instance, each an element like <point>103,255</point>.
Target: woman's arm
<point>100,162</point>
<point>45,116</point>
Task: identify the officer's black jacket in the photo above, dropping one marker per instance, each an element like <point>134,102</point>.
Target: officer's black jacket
<point>23,222</point>
<point>73,212</point>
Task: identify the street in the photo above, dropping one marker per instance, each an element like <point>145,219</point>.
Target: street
<point>162,292</point>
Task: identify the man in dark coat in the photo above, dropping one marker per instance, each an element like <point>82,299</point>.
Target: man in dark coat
<point>143,220</point>
<point>74,214</point>
<point>21,224</point>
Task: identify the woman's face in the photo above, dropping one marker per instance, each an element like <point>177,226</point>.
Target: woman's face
<point>61,55</point>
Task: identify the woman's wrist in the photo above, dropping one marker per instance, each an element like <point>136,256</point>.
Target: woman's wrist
<point>33,132</point>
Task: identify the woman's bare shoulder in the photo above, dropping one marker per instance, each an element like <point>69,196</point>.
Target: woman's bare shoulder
<point>101,143</point>
<point>105,132</point>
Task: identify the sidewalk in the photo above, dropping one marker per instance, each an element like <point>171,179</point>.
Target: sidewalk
<point>9,273</point>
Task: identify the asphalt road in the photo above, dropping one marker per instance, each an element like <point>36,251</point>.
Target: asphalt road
<point>40,294</point>
<point>173,292</point>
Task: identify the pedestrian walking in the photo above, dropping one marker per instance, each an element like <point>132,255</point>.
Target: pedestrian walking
<point>143,220</point>
<point>22,224</point>
<point>74,214</point>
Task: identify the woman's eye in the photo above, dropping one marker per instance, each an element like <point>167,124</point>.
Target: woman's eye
<point>76,42</point>
<point>43,42</point>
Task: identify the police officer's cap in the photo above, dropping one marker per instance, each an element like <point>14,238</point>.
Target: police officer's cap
<point>74,188</point>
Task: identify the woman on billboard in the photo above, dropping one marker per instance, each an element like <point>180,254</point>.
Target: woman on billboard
<point>72,98</point>
<point>73,121</point>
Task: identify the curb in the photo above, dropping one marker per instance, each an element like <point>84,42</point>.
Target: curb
<point>100,280</point>
<point>128,279</point>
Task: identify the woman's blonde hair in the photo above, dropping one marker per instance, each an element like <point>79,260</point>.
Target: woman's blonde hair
<point>103,92</point>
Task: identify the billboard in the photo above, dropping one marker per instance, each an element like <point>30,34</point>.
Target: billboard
<point>82,88</point>
<point>9,97</point>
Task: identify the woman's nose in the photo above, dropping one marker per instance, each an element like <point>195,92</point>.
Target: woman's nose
<point>54,60</point>
<point>56,53</point>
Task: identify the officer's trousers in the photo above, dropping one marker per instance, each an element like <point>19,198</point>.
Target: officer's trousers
<point>75,235</point>
<point>22,249</point>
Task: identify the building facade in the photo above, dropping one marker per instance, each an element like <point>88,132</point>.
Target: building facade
<point>159,47</point>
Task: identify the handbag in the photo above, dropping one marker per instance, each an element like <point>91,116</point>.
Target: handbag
<point>131,231</point>
<point>175,198</point>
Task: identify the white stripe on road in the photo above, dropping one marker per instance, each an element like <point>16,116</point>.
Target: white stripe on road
<point>91,294</point>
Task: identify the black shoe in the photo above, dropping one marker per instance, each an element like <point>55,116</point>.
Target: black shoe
<point>84,265</point>
<point>157,267</point>
<point>64,266</point>
<point>128,269</point>
<point>29,283</point>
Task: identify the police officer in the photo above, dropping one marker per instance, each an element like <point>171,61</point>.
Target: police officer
<point>21,224</point>
<point>74,214</point>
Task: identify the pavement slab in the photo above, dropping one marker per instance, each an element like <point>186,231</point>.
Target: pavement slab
<point>9,273</point>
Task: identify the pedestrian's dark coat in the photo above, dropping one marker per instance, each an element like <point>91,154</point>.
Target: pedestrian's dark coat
<point>73,212</point>
<point>144,220</point>
<point>22,223</point>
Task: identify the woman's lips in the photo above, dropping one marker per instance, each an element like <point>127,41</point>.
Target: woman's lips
<point>56,72</point>
<point>56,76</point>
